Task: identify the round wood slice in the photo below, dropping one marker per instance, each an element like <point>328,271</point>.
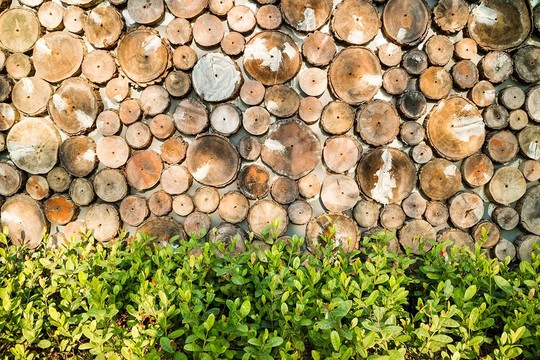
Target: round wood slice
<point>50,15</point>
<point>162,126</point>
<point>395,80</point>
<point>406,22</point>
<point>143,170</point>
<point>412,104</point>
<point>249,148</point>
<point>421,153</point>
<point>11,179</point>
<point>160,203</point>
<point>507,185</point>
<point>18,65</point>
<point>458,237</point>
<point>502,146</point>
<point>263,214</point>
<point>412,133</point>
<point>451,15</point>
<point>74,19</point>
<point>466,49</point>
<point>291,148</point>
<point>103,27</point>
<point>212,160</point>
<point>526,245</point>
<point>9,115</point>
<point>440,179</point>
<point>82,3</point>
<point>206,199</point>
<point>435,83</point>
<point>112,151</point>
<point>60,210</point>
<point>500,24</point>
<point>386,175</point>
<point>339,193</point>
<point>281,101</point>
<point>37,187</point>
<point>81,192</point>
<point>98,66</point>
<point>220,7</point>
<point>466,209</point>
<point>103,220</point>
<point>143,56</point>
<point>57,56</point>
<point>497,66</point>
<point>313,81</point>
<point>216,77</point>
<point>392,217</point>
<point>138,136</point>
<point>117,89</point>
<point>366,213</point>
<point>186,9</point>
<point>319,48</point>
<point>30,95</point>
<point>477,170</point>
<point>233,43</point>
<point>254,181</point>
<point>176,180</point>
<point>154,100</point>
<point>319,231</point>
<point>416,236</point>
<point>133,210</point>
<point>436,213</point>
<point>268,17</point>
<point>532,103</point>
<point>5,87</point>
<point>306,15</point>
<point>147,12</point>
<point>455,128</point>
<point>414,206</point>
<point>284,190</point>
<point>377,122</point>
<point>162,229</point>
<point>505,249</point>
<point>241,19</point>
<point>78,155</point>
<point>310,109</point>
<point>58,179</point>
<point>530,169</point>
<point>512,97</point>
<point>252,92</point>
<point>415,61</point>
<point>19,29</point>
<point>33,145</point>
<point>173,150</point>
<point>74,231</point>
<point>300,212</point>
<point>179,31</point>
<point>183,205</point>
<point>355,21</point>
<point>527,208</point>
<point>24,219</point>
<point>227,234</point>
<point>496,117</point>
<point>518,119</point>
<point>208,30</point>
<point>256,120</point>
<point>191,117</point>
<point>226,119</point>
<point>341,153</point>
<point>337,118</point>
<point>233,207</point>
<point>492,230</point>
<point>465,74</point>
<point>184,58</point>
<point>390,54</point>
<point>529,141</point>
<point>309,186</point>
<point>483,93</point>
<point>110,185</point>
<point>178,84</point>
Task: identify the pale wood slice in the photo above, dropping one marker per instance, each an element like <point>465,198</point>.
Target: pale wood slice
<point>440,179</point>
<point>78,155</point>
<point>291,148</point>
<point>412,104</point>
<point>466,209</point>
<point>306,15</point>
<point>415,61</point>
<point>24,219</point>
<point>390,54</point>
<point>366,213</point>
<point>143,170</point>
<point>435,83</point>
<point>163,229</point>
<point>393,245</point>
<point>339,193</point>
<point>528,208</point>
<point>206,199</point>
<point>392,217</point>
<point>112,151</point>
<point>50,15</point>
<point>75,106</point>
<point>268,17</point>
<point>58,55</point>
<point>529,141</point>
<point>249,148</point>
<point>337,118</point>
<point>162,126</point>
<point>505,249</point>
<point>98,66</point>
<point>160,203</point>
<point>477,170</point>
<point>313,81</point>
<point>103,220</point>
<point>341,153</point>
<point>507,185</point>
<point>412,133</point>
<point>310,109</point>
<point>173,150</point>
<point>252,92</point>
<point>483,93</point>
<point>318,232</point>
<point>178,83</point>
<point>11,179</point>
<point>226,119</point>
<point>58,179</point>
<point>30,95</point>
<point>272,57</point>
<point>502,146</point>
<point>241,18</point>
<point>300,212</point>
<point>74,19</point>
<point>143,56</point>
<point>500,24</point>
<point>309,186</point>
<point>208,30</point>
<point>9,115</point>
<point>183,205</point>
<point>416,236</point>
<point>355,21</point>
<point>186,9</point>
<point>103,27</point>
<point>75,230</point>
<point>266,2</point>
<point>220,7</point>
<point>319,48</point>
<point>134,210</point>
<point>526,245</point>
<point>284,190</point>
<point>33,145</point>
<point>530,169</point>
<point>82,3</point>
<point>110,185</point>
<point>377,122</point>
<point>264,213</point>
<point>395,80</point>
<point>281,101</point>
<point>254,181</point>
<point>466,49</point>
<point>386,175</point>
<point>184,58</point>
<point>19,29</point>
<point>18,66</point>
<point>227,234</point>
<point>496,117</point>
<point>147,12</point>
<point>414,206</point>
<point>212,160</point>
<point>465,74</point>
<point>179,31</point>
<point>455,128</point>
<point>233,207</point>
<point>512,97</point>
<point>176,180</point>
<point>233,43</point>
<point>191,117</point>
<point>532,103</point>
<point>406,22</point>
<point>355,75</point>
<point>81,192</point>
<point>492,230</point>
<point>60,210</point>
<point>216,77</point>
<point>117,89</point>
<point>436,213</point>
<point>154,100</point>
<point>37,187</point>
<point>458,237</point>
<point>451,15</point>
<point>497,66</point>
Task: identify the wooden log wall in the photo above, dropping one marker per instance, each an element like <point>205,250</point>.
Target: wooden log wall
<point>173,117</point>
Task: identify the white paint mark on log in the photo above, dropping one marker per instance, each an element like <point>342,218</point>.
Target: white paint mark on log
<point>151,44</point>
<point>467,126</point>
<point>450,170</point>
<point>274,145</point>
<point>59,102</point>
<point>533,151</point>
<point>357,36</point>
<point>383,191</point>
<point>372,80</point>
<point>202,172</point>
<point>272,106</point>
<point>485,15</point>
<point>89,155</point>
<point>43,48</point>
<point>402,34</point>
<point>95,17</point>
<point>271,58</point>
<point>215,77</point>
<point>308,24</point>
<point>289,51</point>
<point>27,86</point>
<point>83,118</point>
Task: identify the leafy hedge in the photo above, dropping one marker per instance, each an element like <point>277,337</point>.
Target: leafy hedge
<point>139,301</point>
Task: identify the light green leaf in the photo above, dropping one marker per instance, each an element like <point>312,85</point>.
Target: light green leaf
<point>245,308</point>
<point>209,322</point>
<point>469,293</point>
<point>275,341</point>
<point>442,338</point>
<point>44,344</point>
<point>165,343</point>
<point>335,340</point>
<point>502,283</point>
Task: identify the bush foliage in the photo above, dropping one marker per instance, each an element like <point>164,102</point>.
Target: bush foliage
<point>202,301</point>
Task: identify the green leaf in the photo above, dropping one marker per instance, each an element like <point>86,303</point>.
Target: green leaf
<point>502,283</point>
<point>335,340</point>
<point>209,322</point>
<point>315,355</point>
<point>245,308</point>
<point>342,309</point>
<point>445,339</point>
<point>165,344</point>
<point>516,335</point>
<point>469,293</point>
<point>176,333</point>
<point>44,344</point>
<point>274,342</point>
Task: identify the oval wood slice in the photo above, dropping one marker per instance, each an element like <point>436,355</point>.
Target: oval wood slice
<point>75,231</point>
<point>143,170</point>
<point>414,206</point>
<point>206,199</point>
<point>466,209</point>
<point>81,192</point>
<point>160,203</point>
<point>526,245</point>
<point>500,24</point>
<point>183,205</point>
<point>30,95</point>
<point>435,83</point>
<point>529,141</point>
<point>502,146</point>
<point>337,118</point>
<point>117,89</point>
<point>392,217</point>
<point>249,148</point>
<point>37,187</point>
<point>507,185</point>
<point>497,66</point>
<point>74,18</point>
<point>58,179</point>
<point>264,213</point>
<point>197,225</point>
<point>319,232</point>
<point>319,48</point>
<point>412,133</point>
<point>112,151</point>
<point>138,136</point>
<point>78,155</point>
<point>103,27</point>
<point>291,148</point>
<point>178,84</point>
<point>256,120</point>
<point>458,237</point>
<point>451,15</point>
<point>386,175</point>
<point>59,209</point>
<point>162,126</point>
<point>309,186</point>
<point>512,97</point>
<point>19,29</point>
<point>505,249</point>
<point>98,66</point>
<point>254,181</point>
<point>483,93</point>
<point>212,160</point>
<point>179,31</point>
<point>436,213</point>
<point>147,12</point>
<point>184,58</point>
<point>272,57</point>
<point>355,21</point>
<point>173,150</point>
<point>186,9</point>
<point>412,104</point>
<point>103,220</point>
<point>191,117</point>
<point>530,169</point>
<point>416,236</point>
<point>220,7</point>
<point>310,109</point>
<point>300,212</point>
<point>268,17</point>
<point>162,229</point>
<point>440,179</point>
<point>366,213</point>
<point>24,219</point>
<point>396,80</point>
<point>110,185</point>
<point>377,122</point>
<point>176,180</point>
<point>133,210</point>
<point>528,210</point>
<point>129,111</point>
<point>18,65</point>
<point>455,128</point>
<point>216,77</point>
<point>11,179</point>
<point>284,190</point>
<point>313,81</point>
<point>406,22</point>
<point>33,145</point>
<point>306,15</point>
<point>58,55</point>
<point>466,49</point>
<point>477,170</point>
<point>415,61</point>
<point>339,193</point>
<point>341,153</point>
<point>492,231</point>
<point>518,119</point>
<point>233,207</point>
<point>532,103</point>
<point>281,101</point>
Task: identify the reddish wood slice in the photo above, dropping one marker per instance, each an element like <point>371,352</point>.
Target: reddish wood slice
<point>313,81</point>
<point>233,207</point>
<point>233,43</point>
<point>466,49</point>
<point>530,169</point>
<point>254,181</point>
<point>355,21</point>
<point>252,92</point>
<point>143,170</point>
<point>241,18</point>
<point>173,150</point>
<point>268,17</point>
<point>256,120</point>
<point>154,100</point>
<point>502,146</point>
<point>310,109</point>
<point>184,57</point>
<point>160,203</point>
<point>117,89</point>
<point>179,31</point>
<point>162,126</point>
<point>435,83</point>
<point>9,115</point>
<point>133,210</point>
<point>37,187</point>
<point>186,9</point>
<point>483,93</point>
<point>377,122</point>
<point>176,180</point>
<point>60,210</point>
<point>395,80</point>
<point>440,179</point>
<point>406,22</point>
<point>477,170</point>
<point>24,219</point>
<point>318,232</point>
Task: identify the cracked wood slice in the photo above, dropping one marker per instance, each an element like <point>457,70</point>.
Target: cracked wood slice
<point>212,160</point>
<point>191,117</point>
<point>339,193</point>
<point>455,128</point>
<point>341,153</point>
<point>390,54</point>
<point>435,83</point>
<point>451,15</point>
<point>143,170</point>
<point>529,141</point>
<point>505,250</point>
<point>143,56</point>
<point>483,93</point>
<point>306,15</point>
<point>25,220</point>
<point>500,24</point>
<point>206,199</point>
<point>532,105</point>
<point>58,179</point>
<point>30,95</point>
<point>58,55</point>
<point>249,148</point>
<point>512,97</point>
<point>33,145</point>
<point>146,12</point>
<point>386,175</point>
<point>466,209</point>
<point>173,150</point>
<point>179,31</point>
<point>186,9</point>
<point>112,151</point>
<point>252,92</point>
<point>492,230</point>
<point>216,77</point>
<point>496,66</point>
<point>162,126</point>
<point>265,213</point>
<point>162,229</point>
<point>178,83</point>
<point>319,48</point>
<point>50,15</point>
<point>281,101</point>
<point>412,133</point>
<point>377,122</point>
<point>415,61</point>
<point>18,66</point>
<point>416,235</point>
<point>59,209</point>
<point>291,148</point>
<point>465,74</point>
<point>110,185</point>
<point>254,181</point>
<point>526,245</point>
<point>477,170</point>
<point>9,115</point>
<point>78,155</point>
<point>502,146</point>
<point>395,81</point>
<point>117,89</point>
<point>272,57</point>
<point>366,213</point>
<point>103,27</point>
<point>75,106</point>
<point>414,206</point>
<point>184,58</point>
<point>319,232</point>
<point>436,213</point>
<point>268,17</point>
<point>309,186</point>
<point>496,117</point>
<point>138,136</point>
<point>233,43</point>
<point>284,190</point>
<point>37,187</point>
<point>176,180</point>
<point>241,19</point>
<point>337,118</point>
<point>208,30</point>
<point>134,210</point>
<point>458,237</point>
<point>530,169</point>
<point>183,205</point>
<point>233,207</point>
<point>98,66</point>
<point>406,22</point>
<point>160,203</point>
<point>19,29</point>
<point>81,192</point>
<point>412,104</point>
<point>355,21</point>
<point>300,212</point>
<point>11,179</point>
<point>440,179</point>
<point>355,75</point>
<point>528,208</point>
<point>74,18</point>
<point>507,185</point>
<point>310,109</point>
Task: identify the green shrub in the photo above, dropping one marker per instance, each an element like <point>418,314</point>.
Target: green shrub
<point>182,301</point>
